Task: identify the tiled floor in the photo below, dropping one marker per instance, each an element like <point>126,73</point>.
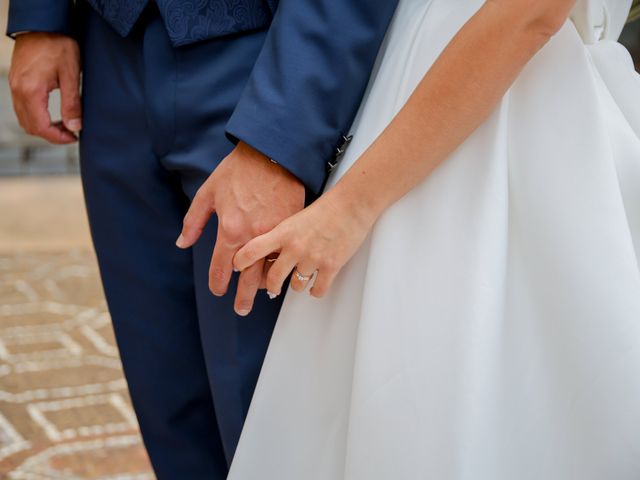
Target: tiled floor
<point>64,408</point>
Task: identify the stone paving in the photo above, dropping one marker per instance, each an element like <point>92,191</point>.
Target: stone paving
<point>64,408</point>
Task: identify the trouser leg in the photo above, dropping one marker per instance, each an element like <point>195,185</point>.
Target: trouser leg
<point>135,208</point>
<point>154,131</point>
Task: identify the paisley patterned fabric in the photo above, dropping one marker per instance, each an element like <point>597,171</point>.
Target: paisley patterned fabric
<point>121,14</point>
<point>189,21</point>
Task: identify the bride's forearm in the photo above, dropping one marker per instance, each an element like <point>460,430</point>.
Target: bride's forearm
<point>457,94</point>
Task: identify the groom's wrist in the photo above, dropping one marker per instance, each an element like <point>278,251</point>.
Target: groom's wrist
<point>247,150</point>
<point>295,152</point>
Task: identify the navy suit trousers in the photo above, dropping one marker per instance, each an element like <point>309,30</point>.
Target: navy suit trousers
<point>154,119</point>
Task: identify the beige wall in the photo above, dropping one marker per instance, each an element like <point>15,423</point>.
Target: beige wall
<point>5,43</point>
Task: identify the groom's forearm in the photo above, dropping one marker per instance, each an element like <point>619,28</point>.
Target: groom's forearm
<point>53,16</point>
<point>309,80</point>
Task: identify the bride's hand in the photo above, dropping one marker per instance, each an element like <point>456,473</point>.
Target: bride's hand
<point>320,239</point>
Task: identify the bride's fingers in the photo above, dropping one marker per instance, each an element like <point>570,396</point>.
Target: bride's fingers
<point>248,285</point>
<point>256,249</point>
<point>323,282</point>
<point>305,270</point>
<point>279,272</point>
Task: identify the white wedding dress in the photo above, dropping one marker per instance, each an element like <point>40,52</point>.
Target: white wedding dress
<point>489,328</point>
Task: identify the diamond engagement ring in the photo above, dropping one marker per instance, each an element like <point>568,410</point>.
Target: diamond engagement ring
<point>302,278</point>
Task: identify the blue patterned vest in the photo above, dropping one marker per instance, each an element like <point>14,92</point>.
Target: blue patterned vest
<point>189,21</point>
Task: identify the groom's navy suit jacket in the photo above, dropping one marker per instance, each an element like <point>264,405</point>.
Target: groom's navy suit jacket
<point>306,84</point>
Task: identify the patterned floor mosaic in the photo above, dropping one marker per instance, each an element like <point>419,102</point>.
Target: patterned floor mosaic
<point>64,407</point>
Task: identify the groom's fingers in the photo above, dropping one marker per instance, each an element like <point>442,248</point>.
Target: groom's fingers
<point>221,267</point>
<point>279,272</point>
<point>265,272</point>
<point>197,216</point>
<point>248,285</point>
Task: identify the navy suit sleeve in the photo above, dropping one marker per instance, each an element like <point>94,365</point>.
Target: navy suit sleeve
<point>308,81</point>
<point>40,16</point>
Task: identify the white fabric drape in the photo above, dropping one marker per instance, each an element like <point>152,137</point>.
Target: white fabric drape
<point>489,329</point>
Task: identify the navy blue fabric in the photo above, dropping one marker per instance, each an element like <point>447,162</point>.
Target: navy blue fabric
<point>53,16</point>
<point>189,21</point>
<point>153,131</point>
<point>121,14</point>
<point>307,82</point>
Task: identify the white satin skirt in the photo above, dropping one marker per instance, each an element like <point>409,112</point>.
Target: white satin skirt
<point>489,328</point>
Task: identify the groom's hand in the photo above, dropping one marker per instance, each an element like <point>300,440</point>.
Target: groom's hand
<point>41,63</point>
<point>251,195</point>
